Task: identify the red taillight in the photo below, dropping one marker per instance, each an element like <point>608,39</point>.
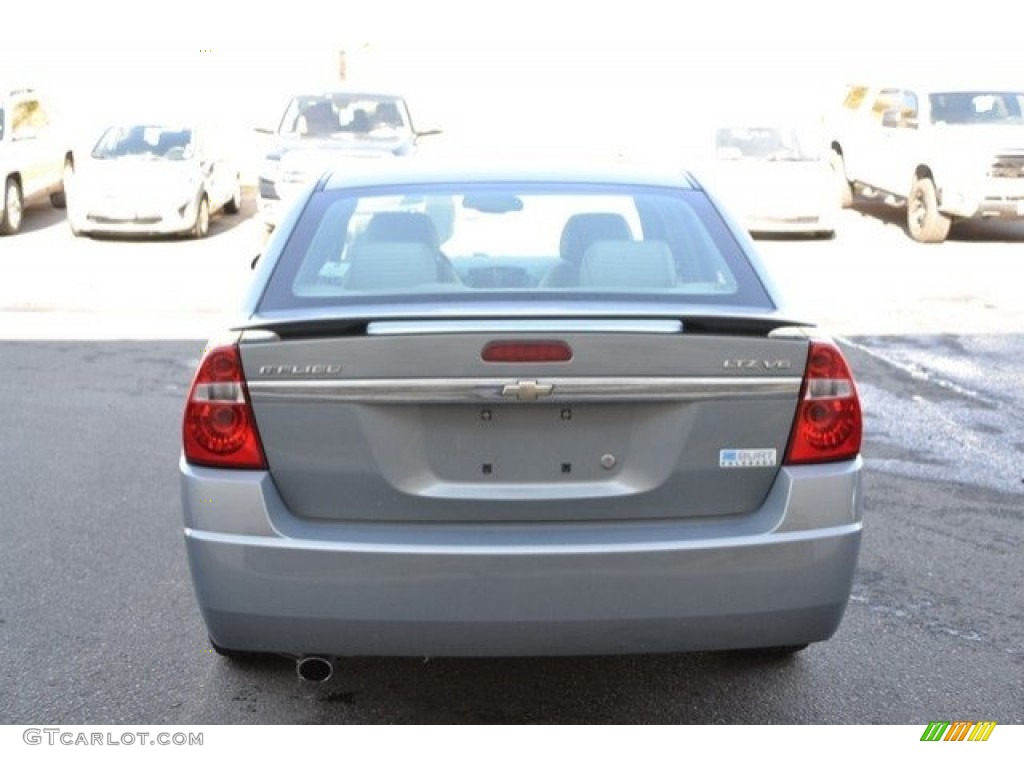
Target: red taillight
<point>526,352</point>
<point>828,424</point>
<point>219,428</point>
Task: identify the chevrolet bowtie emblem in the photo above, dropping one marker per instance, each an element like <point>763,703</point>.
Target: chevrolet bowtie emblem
<point>526,390</point>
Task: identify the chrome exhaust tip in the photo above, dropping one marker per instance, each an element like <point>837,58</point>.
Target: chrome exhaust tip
<point>314,669</point>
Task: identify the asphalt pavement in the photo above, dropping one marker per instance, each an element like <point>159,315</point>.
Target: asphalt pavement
<point>98,621</point>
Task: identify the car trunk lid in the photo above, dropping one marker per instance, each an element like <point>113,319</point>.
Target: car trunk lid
<point>413,421</point>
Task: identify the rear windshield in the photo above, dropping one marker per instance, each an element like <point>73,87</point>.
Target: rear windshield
<point>502,242</point>
<point>967,107</point>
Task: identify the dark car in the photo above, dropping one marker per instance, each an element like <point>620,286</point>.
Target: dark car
<point>517,409</point>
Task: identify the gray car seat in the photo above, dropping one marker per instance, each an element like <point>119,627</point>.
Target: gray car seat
<point>582,230</point>
<point>618,264</point>
<point>398,249</point>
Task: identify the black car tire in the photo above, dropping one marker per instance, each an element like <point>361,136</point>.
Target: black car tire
<point>11,213</point>
<point>234,205</point>
<point>925,223</point>
<point>59,199</point>
<point>201,228</point>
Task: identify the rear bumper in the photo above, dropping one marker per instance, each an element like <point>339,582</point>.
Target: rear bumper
<point>266,581</point>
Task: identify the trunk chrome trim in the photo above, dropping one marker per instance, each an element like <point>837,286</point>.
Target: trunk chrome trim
<point>494,390</point>
<point>521,326</point>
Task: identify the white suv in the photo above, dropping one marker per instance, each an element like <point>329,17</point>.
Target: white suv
<point>946,153</point>
<point>34,162</point>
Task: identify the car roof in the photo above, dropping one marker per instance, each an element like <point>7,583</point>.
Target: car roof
<point>433,169</point>
<point>952,84</point>
<point>358,92</point>
<point>14,93</point>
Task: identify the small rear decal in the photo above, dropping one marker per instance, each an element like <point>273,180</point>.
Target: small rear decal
<point>734,457</point>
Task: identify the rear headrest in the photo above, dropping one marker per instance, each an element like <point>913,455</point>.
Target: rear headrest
<point>402,227</point>
<point>582,229</point>
<point>387,266</point>
<point>619,264</point>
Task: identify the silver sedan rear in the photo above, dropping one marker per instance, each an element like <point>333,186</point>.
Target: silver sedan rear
<point>518,411</point>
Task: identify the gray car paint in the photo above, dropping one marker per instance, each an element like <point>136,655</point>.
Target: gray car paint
<point>364,444</point>
<point>373,534</point>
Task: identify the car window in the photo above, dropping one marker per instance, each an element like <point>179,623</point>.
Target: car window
<point>28,118</point>
<point>888,98</point>
<point>496,242</point>
<point>906,103</point>
<point>961,108</point>
<point>153,141</point>
<point>338,115</point>
<point>855,95</point>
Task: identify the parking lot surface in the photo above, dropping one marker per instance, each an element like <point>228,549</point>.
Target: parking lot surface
<point>97,619</point>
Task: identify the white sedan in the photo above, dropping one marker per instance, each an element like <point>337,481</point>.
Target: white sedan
<point>776,178</point>
<point>152,179</point>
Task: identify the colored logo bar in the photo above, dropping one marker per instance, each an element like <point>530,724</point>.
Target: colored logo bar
<point>958,730</point>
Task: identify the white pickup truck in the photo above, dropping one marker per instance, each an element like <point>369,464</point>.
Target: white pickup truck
<point>34,160</point>
<point>947,153</point>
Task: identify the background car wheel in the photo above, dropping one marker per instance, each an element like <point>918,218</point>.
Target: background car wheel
<point>202,226</point>
<point>10,216</point>
<point>843,184</point>
<point>59,199</point>
<point>234,205</point>
<point>924,221</point>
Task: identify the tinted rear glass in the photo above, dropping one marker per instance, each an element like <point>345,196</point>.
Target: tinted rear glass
<point>506,242</point>
<point>967,107</point>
